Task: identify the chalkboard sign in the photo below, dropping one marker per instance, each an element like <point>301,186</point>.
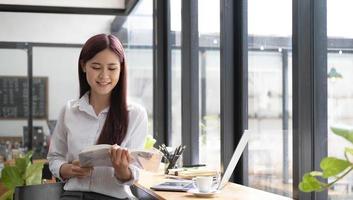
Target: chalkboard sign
<point>14,97</point>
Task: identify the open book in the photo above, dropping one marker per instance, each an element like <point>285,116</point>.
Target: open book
<point>98,155</point>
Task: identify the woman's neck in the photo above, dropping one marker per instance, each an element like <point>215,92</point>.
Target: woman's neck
<point>99,102</point>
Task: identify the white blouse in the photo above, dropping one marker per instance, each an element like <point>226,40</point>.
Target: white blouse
<point>77,127</point>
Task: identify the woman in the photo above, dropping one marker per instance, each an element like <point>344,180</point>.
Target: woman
<point>100,116</point>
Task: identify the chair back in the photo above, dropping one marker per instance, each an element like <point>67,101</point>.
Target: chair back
<point>50,191</point>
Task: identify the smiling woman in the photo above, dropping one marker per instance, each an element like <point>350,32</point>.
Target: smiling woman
<point>102,73</point>
<point>102,115</point>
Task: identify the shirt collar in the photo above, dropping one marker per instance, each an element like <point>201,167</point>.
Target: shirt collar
<point>83,105</point>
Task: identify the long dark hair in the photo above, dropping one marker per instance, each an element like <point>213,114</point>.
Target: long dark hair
<point>115,127</point>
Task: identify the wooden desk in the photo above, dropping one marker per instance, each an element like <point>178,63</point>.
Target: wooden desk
<point>230,191</point>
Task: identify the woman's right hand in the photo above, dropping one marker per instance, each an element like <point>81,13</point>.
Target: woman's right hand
<point>69,170</point>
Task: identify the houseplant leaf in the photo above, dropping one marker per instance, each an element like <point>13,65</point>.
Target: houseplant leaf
<point>332,166</point>
<point>8,195</point>
<point>310,183</point>
<point>34,174</point>
<point>23,172</point>
<point>344,132</point>
<point>348,150</point>
<point>10,177</point>
<point>21,165</point>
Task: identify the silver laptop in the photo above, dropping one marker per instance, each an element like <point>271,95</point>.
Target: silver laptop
<point>186,185</point>
<point>235,158</point>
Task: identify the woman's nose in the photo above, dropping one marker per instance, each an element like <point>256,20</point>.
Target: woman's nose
<point>103,73</point>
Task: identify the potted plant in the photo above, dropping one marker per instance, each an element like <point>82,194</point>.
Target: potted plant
<point>332,168</point>
<point>23,172</point>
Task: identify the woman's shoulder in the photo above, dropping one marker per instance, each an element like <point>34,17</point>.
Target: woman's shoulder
<point>72,103</point>
<point>135,107</point>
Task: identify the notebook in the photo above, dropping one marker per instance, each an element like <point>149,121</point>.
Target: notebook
<point>185,185</point>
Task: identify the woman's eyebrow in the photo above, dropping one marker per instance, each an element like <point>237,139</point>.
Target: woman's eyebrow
<point>96,63</point>
<point>117,64</point>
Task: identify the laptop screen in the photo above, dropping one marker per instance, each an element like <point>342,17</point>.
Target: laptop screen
<point>187,184</point>
<point>235,158</point>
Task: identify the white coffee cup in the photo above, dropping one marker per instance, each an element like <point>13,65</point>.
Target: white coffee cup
<point>203,183</point>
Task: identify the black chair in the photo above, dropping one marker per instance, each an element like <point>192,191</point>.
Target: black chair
<point>52,191</point>
<point>141,194</point>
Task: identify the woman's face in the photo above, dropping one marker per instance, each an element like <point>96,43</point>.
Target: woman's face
<point>102,72</point>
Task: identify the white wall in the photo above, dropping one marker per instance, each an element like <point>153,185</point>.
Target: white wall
<point>58,64</point>
<point>51,28</point>
<point>69,3</point>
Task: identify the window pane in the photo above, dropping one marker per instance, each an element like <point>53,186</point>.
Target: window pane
<point>270,95</point>
<point>13,65</point>
<point>138,42</point>
<point>175,26</point>
<point>339,85</point>
<point>209,67</point>
<point>58,64</point>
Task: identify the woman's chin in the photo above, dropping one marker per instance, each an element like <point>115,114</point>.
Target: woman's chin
<point>103,92</point>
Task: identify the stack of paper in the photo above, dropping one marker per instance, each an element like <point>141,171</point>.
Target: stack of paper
<point>189,173</point>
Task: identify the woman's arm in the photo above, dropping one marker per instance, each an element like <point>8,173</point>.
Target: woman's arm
<point>69,170</point>
<point>120,159</point>
<point>58,150</point>
<point>137,131</point>
<point>58,146</point>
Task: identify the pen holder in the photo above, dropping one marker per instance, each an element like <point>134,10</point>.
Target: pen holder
<point>171,157</point>
<point>170,164</point>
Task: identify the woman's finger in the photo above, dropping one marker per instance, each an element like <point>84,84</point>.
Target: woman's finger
<point>118,155</point>
<point>126,157</point>
<point>113,152</point>
<point>78,171</point>
<point>76,162</point>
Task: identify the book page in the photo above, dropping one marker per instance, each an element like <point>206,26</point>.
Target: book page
<point>98,155</point>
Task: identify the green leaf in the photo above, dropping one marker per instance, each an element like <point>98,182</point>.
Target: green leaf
<point>21,165</point>
<point>29,155</point>
<point>10,177</point>
<point>310,183</point>
<point>7,195</point>
<point>348,150</point>
<point>332,166</point>
<point>344,132</point>
<point>34,174</point>
<point>315,173</point>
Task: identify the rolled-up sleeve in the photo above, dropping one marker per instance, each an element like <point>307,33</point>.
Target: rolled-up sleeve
<point>58,146</point>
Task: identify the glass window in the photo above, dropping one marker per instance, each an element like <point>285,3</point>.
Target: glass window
<point>270,95</point>
<point>56,47</point>
<point>137,34</point>
<point>13,70</point>
<point>175,35</point>
<point>339,86</point>
<point>209,68</point>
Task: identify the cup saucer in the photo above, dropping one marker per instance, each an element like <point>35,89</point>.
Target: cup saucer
<point>197,193</point>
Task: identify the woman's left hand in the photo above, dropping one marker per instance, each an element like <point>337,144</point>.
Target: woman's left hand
<point>120,159</point>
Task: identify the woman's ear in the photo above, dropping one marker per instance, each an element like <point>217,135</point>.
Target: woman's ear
<point>83,67</point>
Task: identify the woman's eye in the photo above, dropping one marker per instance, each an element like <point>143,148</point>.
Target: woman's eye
<point>95,67</point>
<point>112,69</point>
